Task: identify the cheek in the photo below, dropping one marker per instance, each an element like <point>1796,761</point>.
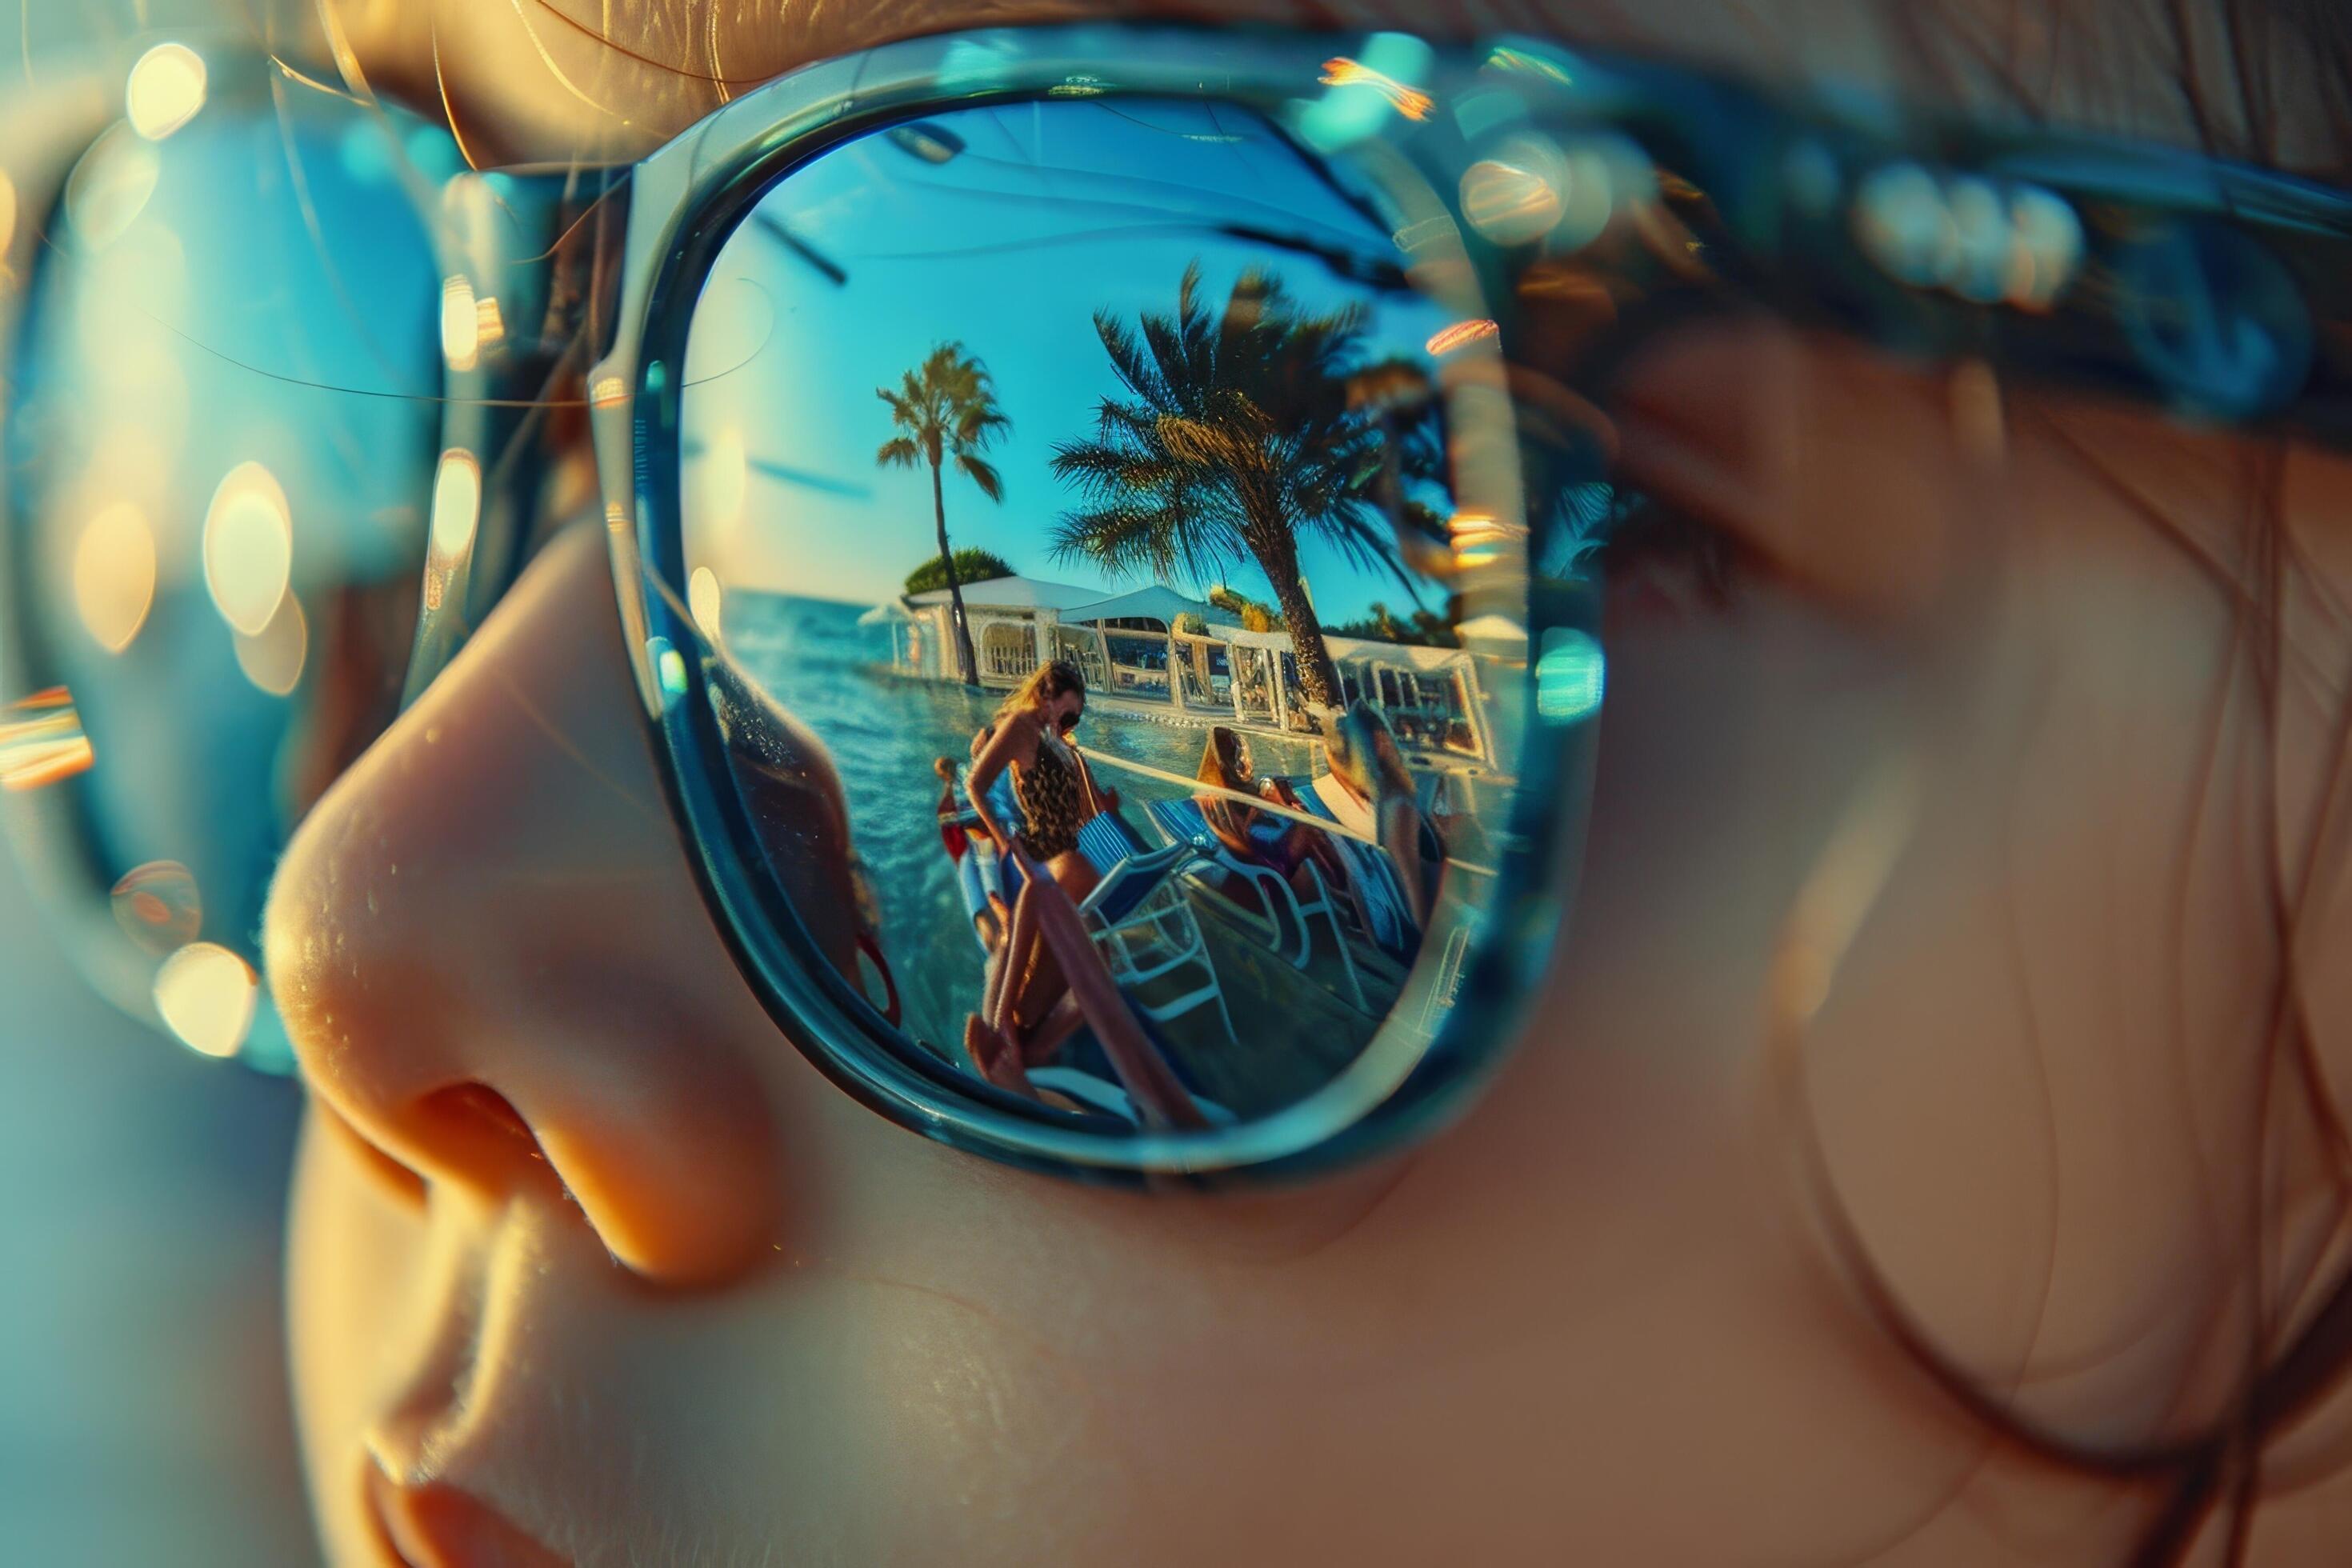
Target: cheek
<point>2028,1081</point>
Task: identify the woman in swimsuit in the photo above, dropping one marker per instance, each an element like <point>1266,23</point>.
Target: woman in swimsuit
<point>1027,1013</point>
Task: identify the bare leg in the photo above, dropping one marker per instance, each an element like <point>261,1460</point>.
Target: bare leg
<point>1020,952</point>
<point>1141,1071</point>
<point>994,1057</point>
<point>991,979</point>
<point>1051,1033</point>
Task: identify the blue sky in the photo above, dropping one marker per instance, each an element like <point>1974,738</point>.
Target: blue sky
<point>1052,211</point>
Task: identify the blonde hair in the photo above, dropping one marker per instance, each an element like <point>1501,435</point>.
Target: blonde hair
<point>1227,761</point>
<point>1055,678</point>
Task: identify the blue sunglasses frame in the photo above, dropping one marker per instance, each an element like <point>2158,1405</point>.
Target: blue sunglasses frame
<point>2214,291</point>
<point>2192,283</point>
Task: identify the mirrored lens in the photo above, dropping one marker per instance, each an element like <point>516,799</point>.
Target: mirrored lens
<point>1070,522</point>
<point>220,454</point>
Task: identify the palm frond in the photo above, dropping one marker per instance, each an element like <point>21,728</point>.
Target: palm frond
<point>1234,437</point>
<point>946,407</point>
<point>983,474</point>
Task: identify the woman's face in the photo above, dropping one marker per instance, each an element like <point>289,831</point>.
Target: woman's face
<point>1930,917</point>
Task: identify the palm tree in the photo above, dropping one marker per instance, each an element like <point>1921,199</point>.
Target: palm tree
<point>946,409</point>
<point>1239,437</point>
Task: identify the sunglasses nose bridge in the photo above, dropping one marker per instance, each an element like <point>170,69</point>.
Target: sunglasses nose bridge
<point>517,309</point>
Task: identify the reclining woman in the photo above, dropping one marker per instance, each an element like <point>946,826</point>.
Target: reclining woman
<point>1285,845</point>
<point>1366,789</point>
<point>1369,788</point>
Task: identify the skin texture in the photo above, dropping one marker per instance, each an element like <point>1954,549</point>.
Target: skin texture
<point>1928,942</point>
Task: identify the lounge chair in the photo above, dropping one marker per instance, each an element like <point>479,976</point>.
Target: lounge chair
<point>1446,976</point>
<point>1142,922</point>
<point>1101,1094</point>
<point>1387,912</point>
<point>1136,914</point>
<point>1183,822</point>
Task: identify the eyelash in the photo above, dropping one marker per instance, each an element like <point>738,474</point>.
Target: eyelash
<point>1617,535</point>
<point>1649,535</point>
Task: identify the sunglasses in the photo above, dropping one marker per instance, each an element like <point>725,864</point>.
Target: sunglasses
<point>1266,380</point>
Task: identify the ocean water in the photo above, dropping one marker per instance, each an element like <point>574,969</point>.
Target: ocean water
<point>884,730</point>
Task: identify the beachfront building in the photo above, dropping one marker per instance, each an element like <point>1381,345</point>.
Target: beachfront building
<point>1155,652</point>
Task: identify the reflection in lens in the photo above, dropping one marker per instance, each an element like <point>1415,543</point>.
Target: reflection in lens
<point>1460,334</point>
<point>1090,512</point>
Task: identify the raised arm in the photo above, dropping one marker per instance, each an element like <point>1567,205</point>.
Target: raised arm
<point>986,768</point>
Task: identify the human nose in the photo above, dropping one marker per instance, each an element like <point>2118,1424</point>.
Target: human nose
<point>496,967</point>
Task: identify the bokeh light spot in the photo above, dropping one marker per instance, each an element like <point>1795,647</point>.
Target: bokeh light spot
<point>1363,95</point>
<point>457,503</point>
<point>2049,247</point>
<point>461,325</point>
<point>114,575</point>
<point>1460,333</point>
<point>206,994</point>
<point>1589,198</point>
<point>1570,677</point>
<point>41,740</point>
<point>109,187</point>
<point>1518,193</point>
<point>273,659</point>
<point>670,669</point>
<point>704,601</point>
<point>1984,241</point>
<point>367,149</point>
<point>1902,219</point>
<point>249,547</point>
<point>165,91</point>
<point>158,907</point>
